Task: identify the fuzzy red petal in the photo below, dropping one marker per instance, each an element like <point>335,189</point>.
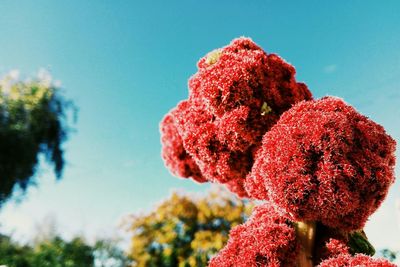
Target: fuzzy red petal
<point>267,239</point>
<point>358,260</point>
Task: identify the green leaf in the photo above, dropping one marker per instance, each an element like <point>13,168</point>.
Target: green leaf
<point>359,244</point>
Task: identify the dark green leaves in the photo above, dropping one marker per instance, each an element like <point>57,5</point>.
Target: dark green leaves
<point>33,121</point>
<point>358,243</point>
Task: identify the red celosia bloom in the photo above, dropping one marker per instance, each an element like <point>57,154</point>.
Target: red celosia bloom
<point>267,239</point>
<point>237,95</point>
<point>320,161</point>
<point>358,260</point>
<point>335,247</point>
<point>329,243</point>
<point>242,74</point>
<point>175,156</point>
<point>323,161</point>
<point>199,131</point>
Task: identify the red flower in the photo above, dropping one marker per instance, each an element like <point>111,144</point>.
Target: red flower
<point>267,239</point>
<point>237,95</point>
<point>175,156</point>
<point>323,161</point>
<point>316,161</point>
<point>358,260</point>
<point>330,243</point>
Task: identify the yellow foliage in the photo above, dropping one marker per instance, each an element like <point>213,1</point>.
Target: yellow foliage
<point>185,231</point>
<point>208,240</point>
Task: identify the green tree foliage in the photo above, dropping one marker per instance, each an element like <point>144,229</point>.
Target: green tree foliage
<point>12,254</point>
<point>185,231</point>
<point>54,252</point>
<point>33,121</point>
<point>57,252</point>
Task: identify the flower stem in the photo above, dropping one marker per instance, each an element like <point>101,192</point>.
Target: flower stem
<point>305,232</point>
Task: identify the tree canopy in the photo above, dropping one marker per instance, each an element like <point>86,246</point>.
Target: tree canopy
<point>185,231</point>
<point>57,252</point>
<point>33,121</point>
<point>54,252</point>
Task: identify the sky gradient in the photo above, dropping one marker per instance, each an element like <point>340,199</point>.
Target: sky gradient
<point>126,63</point>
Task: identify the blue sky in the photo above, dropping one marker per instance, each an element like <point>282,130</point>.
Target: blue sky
<point>126,63</point>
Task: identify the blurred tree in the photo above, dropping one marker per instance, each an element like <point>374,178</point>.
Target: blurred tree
<point>108,254</point>
<point>33,121</point>
<point>12,254</point>
<point>389,254</point>
<point>57,252</point>
<point>184,231</point>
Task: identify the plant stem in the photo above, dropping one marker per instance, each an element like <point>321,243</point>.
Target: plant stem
<point>305,232</point>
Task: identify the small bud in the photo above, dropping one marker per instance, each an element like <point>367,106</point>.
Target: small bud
<point>265,109</point>
<point>213,56</point>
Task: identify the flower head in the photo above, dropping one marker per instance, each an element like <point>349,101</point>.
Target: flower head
<point>346,260</point>
<point>266,239</point>
<point>236,96</point>
<point>323,161</point>
<point>174,154</point>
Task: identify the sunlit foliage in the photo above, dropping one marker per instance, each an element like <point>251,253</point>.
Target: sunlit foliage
<point>185,231</point>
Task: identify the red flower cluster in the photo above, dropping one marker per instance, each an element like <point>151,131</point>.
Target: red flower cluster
<point>323,161</point>
<point>174,154</point>
<point>266,239</point>
<point>249,125</point>
<point>269,239</point>
<point>333,247</point>
<point>236,96</point>
<point>358,260</point>
<point>329,243</point>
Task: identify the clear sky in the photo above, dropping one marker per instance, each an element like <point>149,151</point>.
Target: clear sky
<point>126,63</point>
